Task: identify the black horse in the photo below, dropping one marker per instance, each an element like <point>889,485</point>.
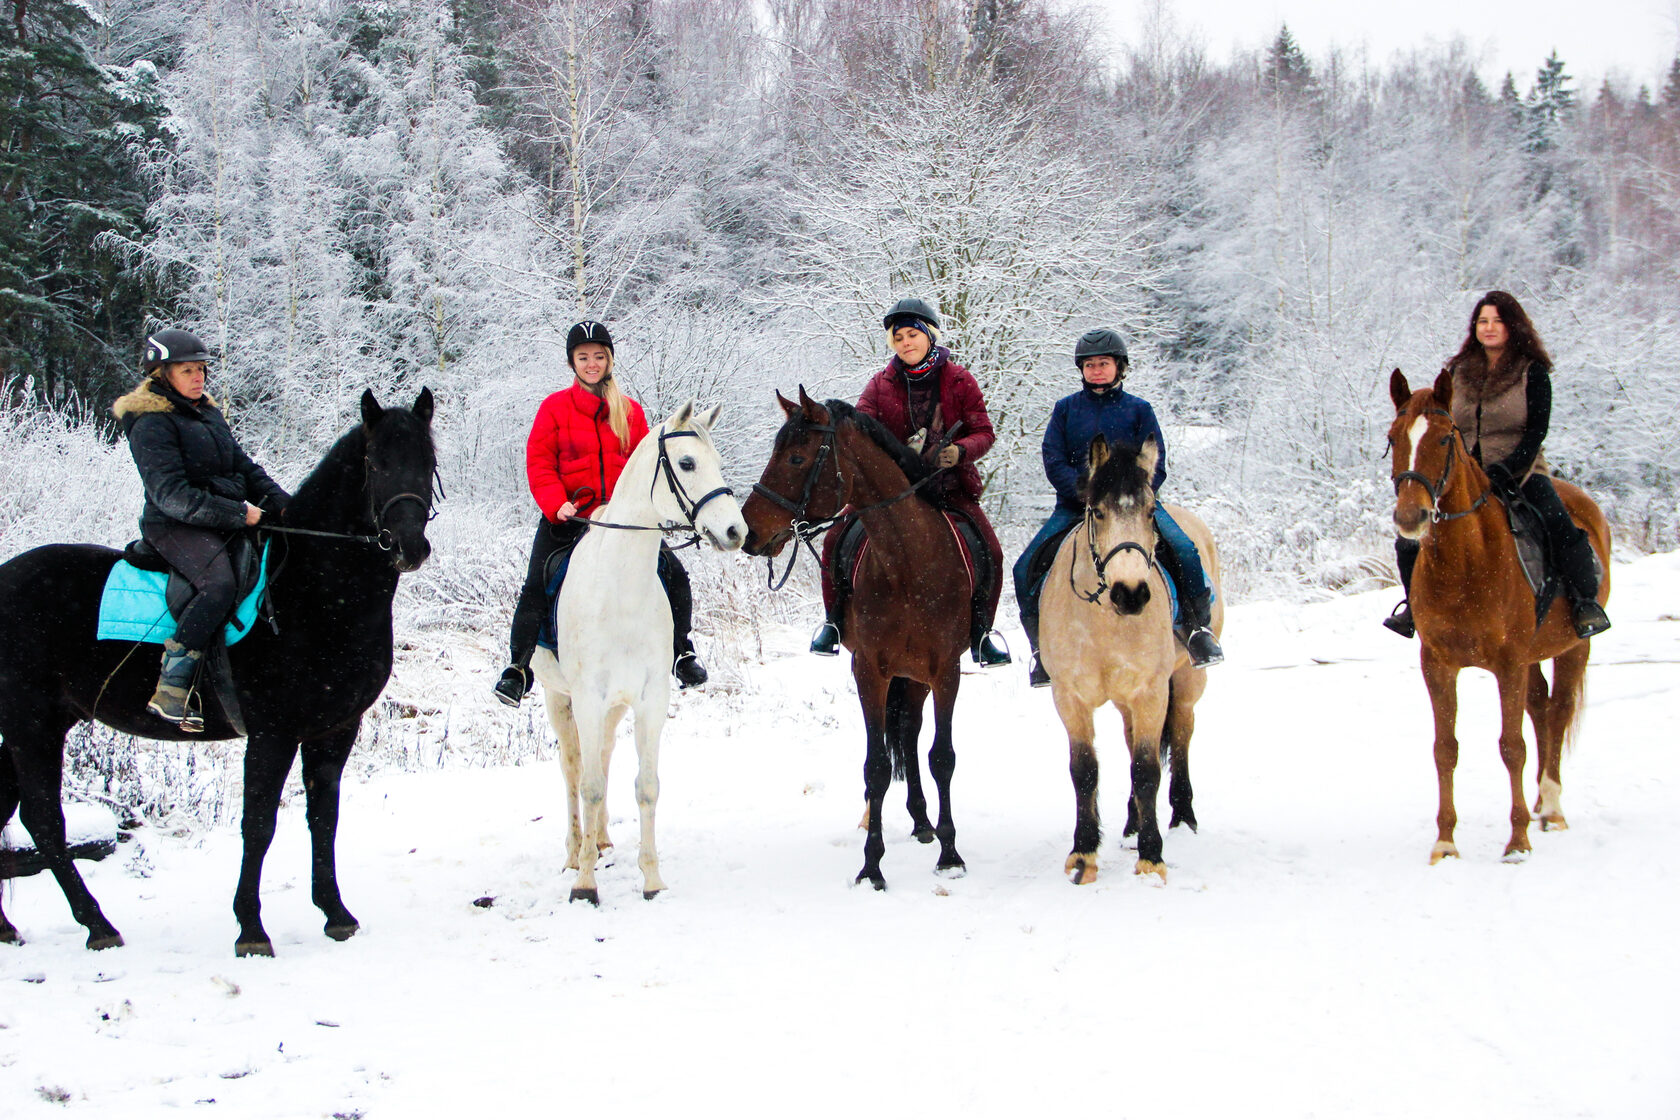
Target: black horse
<point>305,686</point>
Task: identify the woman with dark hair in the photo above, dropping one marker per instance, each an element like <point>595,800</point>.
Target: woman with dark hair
<point>1502,403</point>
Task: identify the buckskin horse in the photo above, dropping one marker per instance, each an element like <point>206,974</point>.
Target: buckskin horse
<point>612,624</point>
<point>1474,609</point>
<point>356,522</point>
<point>1107,636</point>
<point>907,618</point>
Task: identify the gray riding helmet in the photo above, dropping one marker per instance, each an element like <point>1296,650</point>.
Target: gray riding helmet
<point>1096,343</point>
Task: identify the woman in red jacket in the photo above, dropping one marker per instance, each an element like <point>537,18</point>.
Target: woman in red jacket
<point>579,443</point>
<point>923,390</point>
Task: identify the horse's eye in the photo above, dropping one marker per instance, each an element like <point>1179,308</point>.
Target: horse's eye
<point>796,460</point>
<point>1100,515</point>
<point>686,462</point>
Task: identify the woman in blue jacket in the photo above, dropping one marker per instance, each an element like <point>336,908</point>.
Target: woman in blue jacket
<point>1103,406</point>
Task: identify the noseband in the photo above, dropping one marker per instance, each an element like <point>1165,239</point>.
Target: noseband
<point>1434,487</point>
<point>1100,562</point>
<point>804,531</point>
<point>691,509</point>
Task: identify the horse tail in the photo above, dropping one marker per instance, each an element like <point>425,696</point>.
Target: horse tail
<point>1167,729</point>
<point>894,728</point>
<point>1579,710</point>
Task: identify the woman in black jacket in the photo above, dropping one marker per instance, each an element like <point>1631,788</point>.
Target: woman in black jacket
<point>200,489</point>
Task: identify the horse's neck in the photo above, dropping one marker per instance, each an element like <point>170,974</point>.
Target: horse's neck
<point>893,526</point>
<point>1470,545</point>
<point>631,504</point>
<point>342,577</point>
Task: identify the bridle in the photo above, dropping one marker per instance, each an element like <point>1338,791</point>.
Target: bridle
<point>1451,441</point>
<point>381,537</point>
<point>690,508</point>
<point>1100,562</point>
<point>804,531</point>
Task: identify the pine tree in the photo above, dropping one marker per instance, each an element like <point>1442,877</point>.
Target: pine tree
<point>1287,70</point>
<point>1671,87</point>
<point>1549,103</point>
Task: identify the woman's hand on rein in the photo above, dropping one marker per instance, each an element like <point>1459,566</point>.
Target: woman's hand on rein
<point>565,512</point>
<point>950,456</point>
<point>252,514</point>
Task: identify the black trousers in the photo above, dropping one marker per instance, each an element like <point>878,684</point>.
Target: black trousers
<point>533,595</point>
<point>200,555</point>
<point>1569,546</point>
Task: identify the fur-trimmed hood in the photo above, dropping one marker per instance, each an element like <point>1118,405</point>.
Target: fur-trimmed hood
<point>144,398</point>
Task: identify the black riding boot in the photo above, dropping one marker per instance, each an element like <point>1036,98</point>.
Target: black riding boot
<point>826,640</point>
<point>1405,558</point>
<point>1037,675</point>
<point>515,682</point>
<point>1577,565</point>
<point>685,665</point>
<point>1200,643</point>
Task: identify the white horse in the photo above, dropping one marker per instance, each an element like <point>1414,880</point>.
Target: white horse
<point>613,625</point>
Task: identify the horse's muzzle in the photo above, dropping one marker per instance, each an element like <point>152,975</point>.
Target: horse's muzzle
<point>1129,598</point>
<point>410,559</point>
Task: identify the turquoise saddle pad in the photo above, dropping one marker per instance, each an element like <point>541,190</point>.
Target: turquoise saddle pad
<point>133,608</point>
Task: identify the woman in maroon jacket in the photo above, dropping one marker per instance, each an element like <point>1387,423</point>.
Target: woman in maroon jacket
<point>581,439</point>
<point>924,391</point>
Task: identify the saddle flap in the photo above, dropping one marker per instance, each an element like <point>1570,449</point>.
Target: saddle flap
<point>1531,542</point>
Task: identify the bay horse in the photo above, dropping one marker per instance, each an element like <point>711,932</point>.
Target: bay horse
<point>301,689</point>
<point>613,628</point>
<point>1107,637</point>
<point>907,618</point>
<point>1474,609</point>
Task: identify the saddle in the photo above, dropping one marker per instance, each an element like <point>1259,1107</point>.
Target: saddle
<point>1045,559</point>
<point>1534,556</point>
<point>554,574</point>
<point>977,563</point>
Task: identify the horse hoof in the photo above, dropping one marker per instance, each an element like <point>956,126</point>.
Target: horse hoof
<point>1554,824</point>
<point>1080,869</point>
<point>112,940</point>
<point>263,948</point>
<point>1442,850</point>
<point>653,894</point>
<point>589,895</point>
<point>343,931</point>
<point>924,835</point>
<point>877,880</point>
<point>1150,867</point>
<point>1188,821</point>
<point>1515,855</point>
<point>951,870</point>
<point>10,936</point>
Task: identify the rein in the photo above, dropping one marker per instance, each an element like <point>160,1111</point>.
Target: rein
<point>691,508</point>
<point>1451,441</point>
<point>804,532</point>
<point>1101,562</point>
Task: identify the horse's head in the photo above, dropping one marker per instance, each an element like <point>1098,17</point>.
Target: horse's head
<point>1119,519</point>
<point>1426,449</point>
<point>802,481</point>
<point>688,484</point>
<point>401,464</point>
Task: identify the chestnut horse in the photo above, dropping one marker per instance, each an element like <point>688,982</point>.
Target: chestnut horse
<point>1474,609</point>
<point>907,619</point>
<point>1107,636</point>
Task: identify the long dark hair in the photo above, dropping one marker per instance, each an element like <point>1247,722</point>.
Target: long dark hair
<point>1521,348</point>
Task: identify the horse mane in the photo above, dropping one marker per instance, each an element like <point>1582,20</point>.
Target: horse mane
<point>1120,479</point>
<point>915,468</point>
<point>345,455</point>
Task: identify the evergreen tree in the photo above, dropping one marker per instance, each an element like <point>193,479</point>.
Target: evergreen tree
<point>1671,87</point>
<point>1287,70</point>
<point>71,312</point>
<point>1549,103</point>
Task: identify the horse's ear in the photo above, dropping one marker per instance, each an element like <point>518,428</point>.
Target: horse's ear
<point>1098,453</point>
<point>814,412</point>
<point>788,407</point>
<point>1398,391</point>
<point>423,405</point>
<point>1148,455</point>
<point>371,412</point>
<point>1443,389</point>
<point>680,417</point>
<point>708,419</point>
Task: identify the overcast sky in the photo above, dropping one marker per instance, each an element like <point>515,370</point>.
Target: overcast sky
<point>1637,39</point>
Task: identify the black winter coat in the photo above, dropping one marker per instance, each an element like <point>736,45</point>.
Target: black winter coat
<point>192,467</point>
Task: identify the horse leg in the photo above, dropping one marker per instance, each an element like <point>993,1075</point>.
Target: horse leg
<point>595,732</point>
<point>1441,680</point>
<point>38,756</point>
<point>1513,688</point>
<point>1181,724</point>
<point>877,766</point>
<point>8,806</point>
<point>559,707</point>
<point>650,718</point>
<point>323,767</point>
<point>268,759</point>
<point>1081,865</point>
<point>942,763</point>
<point>1143,730</point>
<point>1538,702</point>
<point>905,698</point>
<point>1569,677</point>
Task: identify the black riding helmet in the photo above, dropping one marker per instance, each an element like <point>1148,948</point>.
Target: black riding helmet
<point>587,331</point>
<point>911,308</point>
<point>172,345</point>
<point>1098,342</point>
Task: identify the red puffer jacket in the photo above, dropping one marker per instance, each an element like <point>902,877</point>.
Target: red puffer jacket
<point>572,447</point>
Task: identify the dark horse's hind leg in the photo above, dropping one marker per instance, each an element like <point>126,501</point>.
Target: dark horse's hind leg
<point>942,763</point>
<point>323,766</point>
<point>37,754</point>
<point>877,766</point>
<point>268,759</point>
<point>8,806</point>
<point>905,698</point>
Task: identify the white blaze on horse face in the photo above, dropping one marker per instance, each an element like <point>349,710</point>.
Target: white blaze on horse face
<point>1415,434</point>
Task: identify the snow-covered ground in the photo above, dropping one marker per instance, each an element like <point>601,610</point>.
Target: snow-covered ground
<point>1302,960</point>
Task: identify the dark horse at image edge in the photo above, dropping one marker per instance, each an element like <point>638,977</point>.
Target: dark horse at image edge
<point>303,689</point>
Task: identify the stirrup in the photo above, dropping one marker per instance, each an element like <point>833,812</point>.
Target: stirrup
<point>513,685</point>
<point>826,641</point>
<point>1400,621</point>
<point>992,652</point>
<point>1203,648</point>
<point>689,671</point>
<point>1589,618</point>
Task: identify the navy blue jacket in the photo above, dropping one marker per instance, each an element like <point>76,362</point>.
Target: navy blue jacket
<point>1076,420</point>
